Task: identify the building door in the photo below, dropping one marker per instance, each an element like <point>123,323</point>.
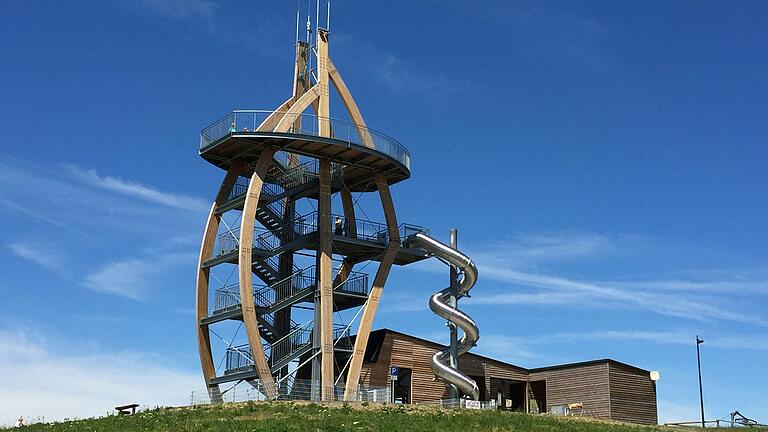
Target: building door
<point>517,396</point>
<point>480,380</point>
<point>401,388</point>
<point>538,397</point>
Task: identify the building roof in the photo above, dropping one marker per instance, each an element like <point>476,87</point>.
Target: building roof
<point>377,339</point>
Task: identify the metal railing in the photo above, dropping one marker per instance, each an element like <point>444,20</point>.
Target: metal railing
<point>228,296</point>
<point>461,403</point>
<point>241,187</point>
<point>288,287</point>
<point>308,224</point>
<point>290,178</point>
<point>238,359</point>
<point>292,389</point>
<point>355,282</point>
<point>296,340</point>
<point>225,298</point>
<point>364,229</point>
<point>228,241</point>
<point>246,121</point>
<point>341,337</point>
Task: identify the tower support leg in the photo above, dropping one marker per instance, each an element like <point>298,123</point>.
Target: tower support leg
<point>325,279</point>
<point>202,282</point>
<point>366,322</point>
<point>245,274</point>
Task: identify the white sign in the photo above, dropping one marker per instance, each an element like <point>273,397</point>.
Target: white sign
<point>472,404</point>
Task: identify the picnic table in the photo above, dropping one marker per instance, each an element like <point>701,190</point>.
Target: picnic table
<point>126,409</point>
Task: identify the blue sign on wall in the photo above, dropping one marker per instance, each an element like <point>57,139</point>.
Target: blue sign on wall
<point>393,371</point>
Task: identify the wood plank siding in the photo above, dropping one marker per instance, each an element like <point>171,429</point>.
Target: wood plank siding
<point>585,384</point>
<point>633,395</point>
<point>606,388</point>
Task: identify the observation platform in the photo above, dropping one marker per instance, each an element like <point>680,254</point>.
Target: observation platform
<point>359,149</point>
<point>367,243</point>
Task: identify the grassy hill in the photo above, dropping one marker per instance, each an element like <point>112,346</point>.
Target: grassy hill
<point>304,417</point>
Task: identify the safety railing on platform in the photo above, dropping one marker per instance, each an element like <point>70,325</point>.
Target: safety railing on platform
<point>269,240</point>
<point>355,282</point>
<point>248,121</point>
<point>341,336</point>
<point>288,179</point>
<point>296,340</point>
<point>288,287</point>
<point>226,298</point>
<point>364,229</point>
<point>228,241</point>
<point>239,358</point>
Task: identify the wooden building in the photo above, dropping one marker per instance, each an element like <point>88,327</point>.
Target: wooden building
<point>604,388</point>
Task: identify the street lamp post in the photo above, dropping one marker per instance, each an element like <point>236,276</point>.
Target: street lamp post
<point>701,391</point>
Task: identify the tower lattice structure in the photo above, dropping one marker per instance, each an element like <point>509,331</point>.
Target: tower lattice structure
<point>278,162</point>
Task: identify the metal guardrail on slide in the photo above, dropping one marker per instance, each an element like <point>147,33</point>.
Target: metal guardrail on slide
<point>246,121</point>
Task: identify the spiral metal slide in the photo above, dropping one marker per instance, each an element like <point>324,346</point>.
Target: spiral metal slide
<point>440,306</point>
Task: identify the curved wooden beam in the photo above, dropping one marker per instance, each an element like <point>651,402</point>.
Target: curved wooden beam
<point>350,104</point>
<point>366,321</point>
<point>245,274</point>
<point>202,282</point>
<point>284,125</point>
<point>273,119</point>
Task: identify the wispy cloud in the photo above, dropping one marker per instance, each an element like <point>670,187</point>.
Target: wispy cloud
<point>399,75</point>
<point>40,254</point>
<point>528,298</point>
<point>392,71</point>
<point>133,278</point>
<point>516,263</point>
<point>567,38</point>
<point>507,348</point>
<point>138,191</point>
<point>15,207</point>
<point>82,202</point>
<point>545,247</point>
<point>684,305</point>
<point>70,383</point>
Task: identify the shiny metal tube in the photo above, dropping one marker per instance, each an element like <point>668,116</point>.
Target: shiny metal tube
<point>438,303</point>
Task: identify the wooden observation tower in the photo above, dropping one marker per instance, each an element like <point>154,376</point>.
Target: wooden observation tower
<point>292,254</point>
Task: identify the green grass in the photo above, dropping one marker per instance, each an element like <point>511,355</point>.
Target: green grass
<point>304,417</point>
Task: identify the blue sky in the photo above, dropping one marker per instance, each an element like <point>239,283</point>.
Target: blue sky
<point>604,163</point>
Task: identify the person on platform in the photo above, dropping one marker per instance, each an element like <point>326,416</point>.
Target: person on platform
<point>232,128</point>
<point>339,230</point>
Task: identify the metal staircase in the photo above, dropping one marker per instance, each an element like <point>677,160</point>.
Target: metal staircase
<point>288,340</point>
<point>285,350</point>
<point>296,288</point>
